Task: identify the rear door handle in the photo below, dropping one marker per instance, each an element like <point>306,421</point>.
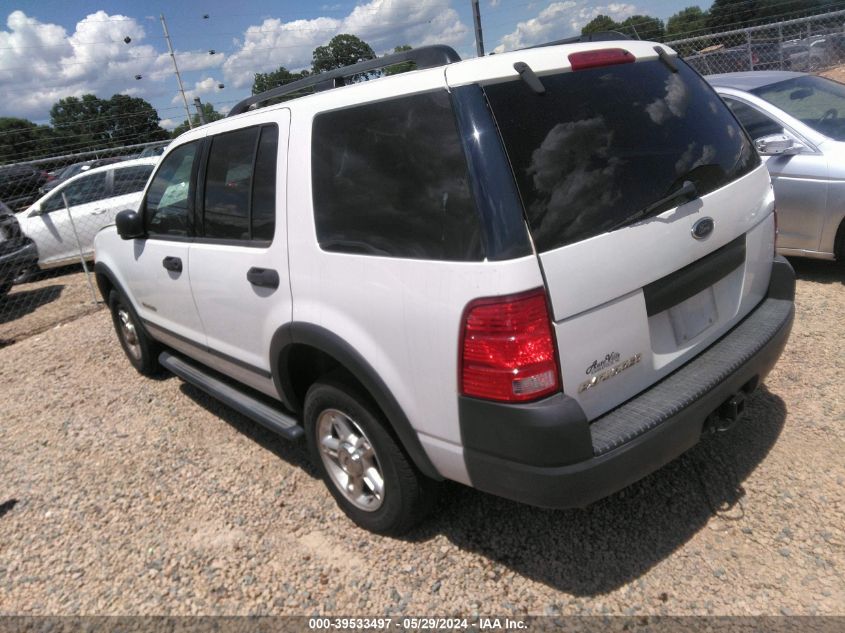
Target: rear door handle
<point>98,211</point>
<point>264,277</point>
<point>173,264</point>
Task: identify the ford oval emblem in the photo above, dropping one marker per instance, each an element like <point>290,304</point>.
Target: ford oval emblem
<point>702,228</point>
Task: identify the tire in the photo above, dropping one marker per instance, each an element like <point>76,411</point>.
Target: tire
<point>351,448</point>
<point>139,348</point>
<point>839,243</point>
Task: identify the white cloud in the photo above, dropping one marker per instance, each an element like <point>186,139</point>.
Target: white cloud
<point>204,86</point>
<point>41,63</point>
<point>381,23</point>
<point>169,124</point>
<point>558,20</point>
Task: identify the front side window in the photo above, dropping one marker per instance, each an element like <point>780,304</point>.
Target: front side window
<point>131,179</point>
<point>240,185</point>
<point>167,206</point>
<point>81,191</point>
<point>390,179</point>
<point>603,144</point>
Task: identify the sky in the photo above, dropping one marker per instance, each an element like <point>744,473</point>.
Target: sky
<point>50,49</point>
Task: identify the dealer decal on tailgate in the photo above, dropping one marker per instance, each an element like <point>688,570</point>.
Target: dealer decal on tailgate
<point>603,374</point>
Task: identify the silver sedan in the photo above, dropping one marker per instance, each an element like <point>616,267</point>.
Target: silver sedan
<point>797,123</point>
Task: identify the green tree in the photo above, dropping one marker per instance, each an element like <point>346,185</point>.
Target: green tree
<point>643,27</point>
<point>210,115</point>
<point>401,67</point>
<point>726,15</point>
<point>778,10</point>
<point>129,120</point>
<point>91,122</point>
<point>343,50</point>
<point>22,140</point>
<point>687,22</point>
<point>279,77</point>
<point>600,23</point>
<point>78,122</point>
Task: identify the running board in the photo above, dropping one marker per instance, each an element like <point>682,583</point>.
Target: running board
<point>267,416</point>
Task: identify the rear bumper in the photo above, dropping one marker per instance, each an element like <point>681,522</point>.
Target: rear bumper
<point>11,264</point>
<point>511,452</point>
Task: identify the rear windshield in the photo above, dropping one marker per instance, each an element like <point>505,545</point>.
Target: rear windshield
<point>603,144</point>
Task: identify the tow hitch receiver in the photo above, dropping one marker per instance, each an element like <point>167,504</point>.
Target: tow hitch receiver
<point>727,414</point>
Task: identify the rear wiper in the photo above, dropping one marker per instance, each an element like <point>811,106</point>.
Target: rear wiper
<point>530,77</point>
<point>686,190</point>
<point>666,58</point>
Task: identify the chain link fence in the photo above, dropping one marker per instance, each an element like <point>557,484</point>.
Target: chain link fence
<point>809,44</point>
<point>51,208</point>
<point>50,211</point>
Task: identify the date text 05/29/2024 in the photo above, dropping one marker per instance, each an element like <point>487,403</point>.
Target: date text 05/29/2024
<point>417,624</point>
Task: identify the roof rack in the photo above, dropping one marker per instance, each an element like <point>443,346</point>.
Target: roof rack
<point>599,36</point>
<point>423,57</point>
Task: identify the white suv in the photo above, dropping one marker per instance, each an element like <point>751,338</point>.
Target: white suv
<point>543,274</point>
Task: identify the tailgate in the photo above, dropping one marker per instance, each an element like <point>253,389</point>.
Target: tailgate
<point>648,297</point>
<point>616,166</point>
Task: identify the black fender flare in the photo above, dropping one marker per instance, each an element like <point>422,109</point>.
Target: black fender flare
<point>331,344</point>
<point>101,270</point>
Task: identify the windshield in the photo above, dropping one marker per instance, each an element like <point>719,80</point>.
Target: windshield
<point>817,102</point>
<point>602,145</point>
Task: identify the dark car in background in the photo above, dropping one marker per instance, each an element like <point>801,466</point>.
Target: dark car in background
<point>17,252</point>
<point>19,184</point>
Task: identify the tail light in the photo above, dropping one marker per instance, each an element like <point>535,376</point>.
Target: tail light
<point>507,349</point>
<point>600,57</point>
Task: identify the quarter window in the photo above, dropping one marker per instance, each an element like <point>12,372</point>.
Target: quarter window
<point>170,195</point>
<point>755,122</point>
<point>390,179</point>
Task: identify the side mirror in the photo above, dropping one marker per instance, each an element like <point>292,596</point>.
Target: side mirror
<point>777,145</point>
<point>130,225</point>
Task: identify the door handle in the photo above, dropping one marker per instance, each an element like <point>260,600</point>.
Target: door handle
<point>173,264</point>
<point>264,277</point>
<point>99,211</point>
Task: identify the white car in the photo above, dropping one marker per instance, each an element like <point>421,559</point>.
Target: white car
<point>544,273</point>
<point>95,197</point>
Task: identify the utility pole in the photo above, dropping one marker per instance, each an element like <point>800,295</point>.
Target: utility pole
<point>176,68</point>
<point>200,111</point>
<point>476,17</point>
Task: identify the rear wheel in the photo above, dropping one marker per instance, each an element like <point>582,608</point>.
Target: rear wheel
<point>361,463</point>
<point>140,349</point>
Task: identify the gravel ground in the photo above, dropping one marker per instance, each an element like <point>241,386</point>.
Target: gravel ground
<point>124,495</point>
<point>53,297</point>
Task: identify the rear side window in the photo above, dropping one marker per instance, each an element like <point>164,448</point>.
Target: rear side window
<point>755,122</point>
<point>605,143</point>
<point>390,179</point>
<point>170,193</point>
<point>240,185</point>
<point>131,179</point>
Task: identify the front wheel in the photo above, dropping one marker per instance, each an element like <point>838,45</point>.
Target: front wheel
<point>363,466</point>
<point>140,349</point>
